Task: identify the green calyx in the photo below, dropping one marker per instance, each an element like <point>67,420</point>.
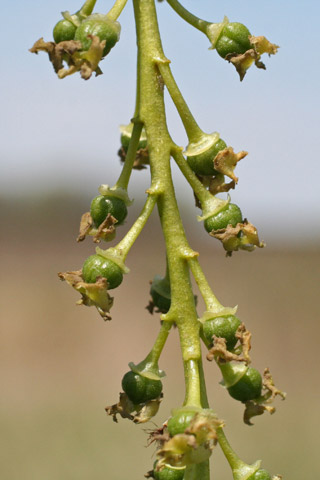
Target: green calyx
<point>233,39</point>
<point>101,26</point>
<point>260,474</point>
<point>161,293</point>
<point>126,133</point>
<point>98,266</point>
<point>229,215</point>
<point>225,327</point>
<point>102,205</point>
<point>203,163</point>
<point>168,473</point>
<point>140,389</point>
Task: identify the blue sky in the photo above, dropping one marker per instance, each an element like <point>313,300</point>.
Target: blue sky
<point>64,134</point>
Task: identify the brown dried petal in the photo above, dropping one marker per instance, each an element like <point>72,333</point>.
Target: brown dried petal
<point>226,160</point>
<point>262,45</point>
<point>232,241</point>
<point>219,352</point>
<point>254,409</point>
<point>270,387</point>
<point>244,337</point>
<point>141,160</point>
<point>86,223</point>
<point>124,408</point>
<point>217,185</point>
<point>244,61</point>
<point>92,294</point>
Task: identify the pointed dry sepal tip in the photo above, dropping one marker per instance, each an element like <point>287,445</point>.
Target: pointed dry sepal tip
<point>92,294</point>
<point>226,160</point>
<point>242,236</point>
<point>106,230</point>
<point>138,413</point>
<point>236,45</point>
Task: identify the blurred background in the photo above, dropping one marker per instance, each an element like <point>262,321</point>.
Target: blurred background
<point>60,363</point>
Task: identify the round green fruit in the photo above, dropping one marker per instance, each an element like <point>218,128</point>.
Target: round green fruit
<point>63,31</point>
<point>234,38</point>
<point>225,327</point>
<point>140,389</point>
<point>161,293</point>
<point>180,422</point>
<point>102,205</point>
<point>100,26</point>
<point>202,164</point>
<point>168,473</point>
<point>260,474</point>
<point>248,387</point>
<point>99,266</point>
<point>230,215</point>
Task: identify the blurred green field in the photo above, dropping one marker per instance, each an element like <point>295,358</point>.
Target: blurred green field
<point>61,364</point>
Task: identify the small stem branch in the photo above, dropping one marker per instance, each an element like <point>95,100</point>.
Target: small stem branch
<point>128,240</point>
<point>232,458</point>
<point>211,301</point>
<point>87,7</point>
<point>192,128</point>
<point>154,355</point>
<point>124,177</point>
<point>116,10</point>
<point>188,17</point>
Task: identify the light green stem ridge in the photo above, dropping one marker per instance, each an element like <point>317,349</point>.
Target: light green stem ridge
<point>193,130</point>
<point>211,301</point>
<point>188,17</point>
<point>123,247</point>
<point>200,191</point>
<point>193,384</point>
<point>116,10</point>
<point>124,177</point>
<point>87,7</point>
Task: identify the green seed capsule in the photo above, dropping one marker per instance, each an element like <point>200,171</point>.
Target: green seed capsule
<point>225,327</point>
<point>99,266</point>
<point>261,474</point>
<point>180,422</point>
<point>102,205</point>
<point>100,26</point>
<point>63,31</point>
<point>125,140</point>
<point>161,293</point>
<point>230,215</point>
<point>248,387</point>
<point>168,473</point>
<point>140,389</point>
<point>202,164</point>
<point>234,38</point>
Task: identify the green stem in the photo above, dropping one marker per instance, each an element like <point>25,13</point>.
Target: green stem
<point>87,8</point>
<point>199,189</point>
<point>193,130</point>
<point>124,246</point>
<point>116,10</point>
<point>229,453</point>
<point>211,301</point>
<point>188,17</point>
<point>199,471</point>
<point>154,355</point>
<point>193,384</point>
<point>124,177</point>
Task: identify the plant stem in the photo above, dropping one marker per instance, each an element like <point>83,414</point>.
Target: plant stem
<point>192,129</point>
<point>187,16</point>
<point>211,301</point>
<point>87,7</point>
<point>116,10</point>
<point>124,177</point>
<point>154,355</point>
<point>124,246</point>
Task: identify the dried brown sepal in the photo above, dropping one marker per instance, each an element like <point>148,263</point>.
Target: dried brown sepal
<point>124,408</point>
<point>271,390</point>
<point>151,307</point>
<point>217,185</point>
<point>106,230</point>
<point>69,52</point>
<point>150,473</point>
<point>92,294</point>
<point>244,236</point>
<point>226,160</point>
<point>262,45</point>
<point>220,353</point>
<point>141,413</point>
<point>141,160</point>
<point>254,409</point>
<point>243,61</point>
<point>244,337</point>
